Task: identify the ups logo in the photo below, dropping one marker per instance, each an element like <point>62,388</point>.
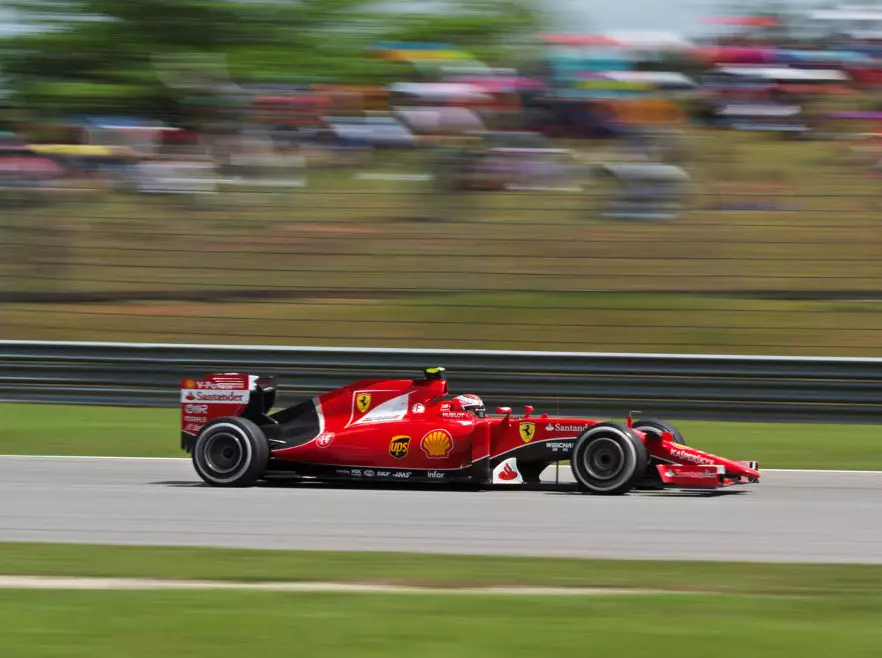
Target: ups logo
<point>399,446</point>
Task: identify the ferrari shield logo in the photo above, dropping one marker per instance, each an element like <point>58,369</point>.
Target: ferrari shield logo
<point>528,431</point>
<point>363,402</point>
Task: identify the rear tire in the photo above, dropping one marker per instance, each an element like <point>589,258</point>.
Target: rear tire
<point>231,452</point>
<point>609,459</point>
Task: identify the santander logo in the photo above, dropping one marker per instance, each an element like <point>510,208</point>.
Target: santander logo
<point>507,473</point>
<point>215,396</point>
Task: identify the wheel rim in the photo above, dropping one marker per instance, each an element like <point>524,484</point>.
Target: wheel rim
<point>223,453</point>
<point>604,459</point>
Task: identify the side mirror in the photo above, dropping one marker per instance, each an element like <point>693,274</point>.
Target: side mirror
<point>528,410</point>
<point>504,410</point>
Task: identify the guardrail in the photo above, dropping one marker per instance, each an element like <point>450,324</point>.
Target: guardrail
<point>600,384</point>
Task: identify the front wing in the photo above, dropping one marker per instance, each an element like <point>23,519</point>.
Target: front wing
<point>701,476</point>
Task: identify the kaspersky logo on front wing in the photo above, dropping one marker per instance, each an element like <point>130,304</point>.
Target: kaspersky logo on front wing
<point>689,457</point>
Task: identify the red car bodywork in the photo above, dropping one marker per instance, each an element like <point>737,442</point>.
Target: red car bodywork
<point>410,430</point>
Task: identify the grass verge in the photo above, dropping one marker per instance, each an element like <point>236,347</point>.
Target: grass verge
<point>244,565</point>
<point>234,624</point>
<point>772,609</point>
<point>139,432</point>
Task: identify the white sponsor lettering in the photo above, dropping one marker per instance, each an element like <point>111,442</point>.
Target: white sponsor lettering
<point>418,408</point>
<point>222,384</point>
<point>402,475</point>
<point>689,457</point>
<point>435,475</point>
<point>214,397</point>
<point>558,427</point>
<point>383,474</point>
<point>693,474</point>
<point>324,439</point>
<point>557,446</point>
<point>196,419</point>
<point>196,409</point>
<point>369,473</point>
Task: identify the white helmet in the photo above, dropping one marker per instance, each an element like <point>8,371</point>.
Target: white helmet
<point>472,403</point>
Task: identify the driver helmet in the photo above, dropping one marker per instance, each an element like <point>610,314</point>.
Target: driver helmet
<point>472,404</point>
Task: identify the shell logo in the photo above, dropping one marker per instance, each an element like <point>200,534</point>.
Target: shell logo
<point>437,444</point>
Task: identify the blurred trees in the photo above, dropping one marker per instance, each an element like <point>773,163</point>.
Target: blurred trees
<point>102,56</point>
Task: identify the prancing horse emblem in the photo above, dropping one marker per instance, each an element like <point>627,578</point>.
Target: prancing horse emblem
<point>528,431</point>
<point>363,402</point>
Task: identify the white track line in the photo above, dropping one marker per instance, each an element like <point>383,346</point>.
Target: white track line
<point>76,583</point>
<point>187,459</point>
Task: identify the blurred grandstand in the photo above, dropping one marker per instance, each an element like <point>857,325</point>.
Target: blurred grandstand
<point>630,190</point>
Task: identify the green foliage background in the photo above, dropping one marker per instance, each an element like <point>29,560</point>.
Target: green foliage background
<point>99,56</point>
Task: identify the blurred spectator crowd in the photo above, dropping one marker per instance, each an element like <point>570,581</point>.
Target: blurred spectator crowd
<point>617,106</point>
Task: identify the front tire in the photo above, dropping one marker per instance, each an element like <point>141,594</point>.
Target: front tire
<point>609,459</point>
<point>657,427</point>
<point>231,452</point>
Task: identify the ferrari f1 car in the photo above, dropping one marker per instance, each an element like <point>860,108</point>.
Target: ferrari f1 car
<point>412,430</point>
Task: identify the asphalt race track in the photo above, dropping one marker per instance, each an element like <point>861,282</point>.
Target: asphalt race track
<point>790,516</point>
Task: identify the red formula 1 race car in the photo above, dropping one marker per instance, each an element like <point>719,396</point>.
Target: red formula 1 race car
<point>412,430</point>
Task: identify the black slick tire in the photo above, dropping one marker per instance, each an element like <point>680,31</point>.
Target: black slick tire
<point>609,459</point>
<point>650,427</point>
<point>657,427</point>
<point>231,452</point>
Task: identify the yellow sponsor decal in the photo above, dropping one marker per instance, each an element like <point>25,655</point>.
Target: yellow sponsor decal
<point>528,431</point>
<point>399,446</point>
<point>363,402</point>
<point>437,444</point>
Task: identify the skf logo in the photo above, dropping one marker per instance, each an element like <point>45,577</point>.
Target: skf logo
<point>528,431</point>
<point>399,446</point>
<point>437,444</point>
<point>363,402</point>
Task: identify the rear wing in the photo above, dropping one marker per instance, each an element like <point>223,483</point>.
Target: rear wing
<point>219,395</point>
